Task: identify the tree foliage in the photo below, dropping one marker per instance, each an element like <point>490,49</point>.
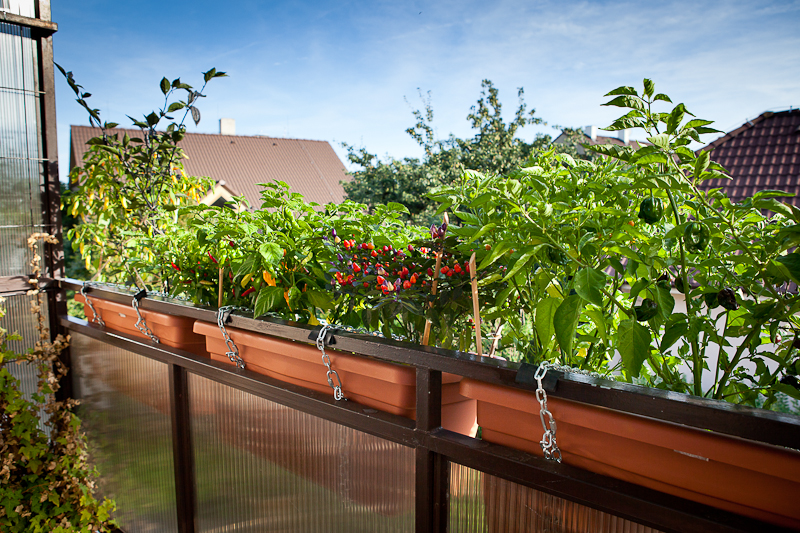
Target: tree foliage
<point>494,149</point>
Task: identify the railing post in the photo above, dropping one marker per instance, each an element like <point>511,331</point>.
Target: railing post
<point>432,469</point>
<point>182,451</point>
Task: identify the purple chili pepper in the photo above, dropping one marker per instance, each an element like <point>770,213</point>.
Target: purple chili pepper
<point>333,232</point>
<point>434,231</point>
<point>340,257</point>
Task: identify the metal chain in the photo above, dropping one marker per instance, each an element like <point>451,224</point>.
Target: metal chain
<point>337,389</point>
<point>548,442</point>
<point>141,324</point>
<point>97,318</point>
<point>233,351</point>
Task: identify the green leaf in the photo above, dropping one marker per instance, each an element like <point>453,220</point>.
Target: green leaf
<point>649,87</point>
<point>623,90</point>
<point>701,164</point>
<point>174,106</point>
<point>398,208</point>
<point>320,299</point>
<point>792,263</point>
<point>497,253</point>
<point>596,316</point>
<point>677,326</point>
<point>545,313</point>
<point>247,266</point>
<point>633,343</point>
<point>152,119</point>
<point>589,283</point>
<point>631,102</point>
<point>661,140</point>
<point>294,295</point>
<point>522,262</point>
<point>675,118</point>
<point>665,301</point>
<point>663,97</point>
<point>268,299</point>
<point>165,85</point>
<point>271,252</point>
<point>488,227</point>
<point>565,322</point>
<point>773,205</point>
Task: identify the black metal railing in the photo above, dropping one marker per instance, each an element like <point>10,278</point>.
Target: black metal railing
<point>436,448</point>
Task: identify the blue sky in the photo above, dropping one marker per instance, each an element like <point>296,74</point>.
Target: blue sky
<point>342,71</point>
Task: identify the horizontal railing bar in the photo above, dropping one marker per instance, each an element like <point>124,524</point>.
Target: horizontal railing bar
<point>626,500</point>
<point>722,417</point>
<point>642,505</point>
<point>45,27</point>
<point>20,283</point>
<point>385,425</point>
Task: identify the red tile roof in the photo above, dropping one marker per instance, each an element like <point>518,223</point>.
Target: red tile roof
<point>764,153</point>
<point>311,168</point>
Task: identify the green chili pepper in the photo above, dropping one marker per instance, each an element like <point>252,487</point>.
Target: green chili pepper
<point>695,237</point>
<point>557,257</point>
<point>646,310</point>
<point>711,299</point>
<point>651,210</point>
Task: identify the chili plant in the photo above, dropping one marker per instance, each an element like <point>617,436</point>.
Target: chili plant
<point>593,250</point>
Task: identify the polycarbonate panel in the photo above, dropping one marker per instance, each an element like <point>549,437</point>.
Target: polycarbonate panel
<point>487,504</point>
<point>261,466</point>
<point>20,151</point>
<point>126,416</point>
<point>26,8</point>
<point>19,319</point>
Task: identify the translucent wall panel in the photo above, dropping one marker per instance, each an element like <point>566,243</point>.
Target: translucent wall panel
<point>126,415</point>
<point>261,466</point>
<point>19,319</point>
<point>487,504</point>
<point>26,8</point>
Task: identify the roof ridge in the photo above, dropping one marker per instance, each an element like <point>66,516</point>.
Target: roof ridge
<point>134,128</point>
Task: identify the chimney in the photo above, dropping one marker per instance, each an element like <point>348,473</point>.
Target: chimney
<point>624,135</point>
<point>591,132</point>
<point>227,126</point>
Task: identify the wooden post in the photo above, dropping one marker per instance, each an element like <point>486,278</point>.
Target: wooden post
<point>219,298</point>
<point>427,333</point>
<point>476,308</point>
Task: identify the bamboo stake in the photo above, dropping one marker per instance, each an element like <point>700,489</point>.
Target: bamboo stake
<point>496,339</point>
<point>427,333</point>
<point>473,277</point>
<point>219,298</point>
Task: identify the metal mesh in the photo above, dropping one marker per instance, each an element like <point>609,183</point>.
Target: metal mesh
<point>126,416</point>
<point>261,466</point>
<point>487,504</point>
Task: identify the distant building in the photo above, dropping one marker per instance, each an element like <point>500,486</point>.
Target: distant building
<point>239,163</point>
<point>763,153</point>
<point>591,137</point>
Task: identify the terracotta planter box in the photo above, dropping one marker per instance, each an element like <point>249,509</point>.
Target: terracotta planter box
<point>381,385</point>
<point>746,477</point>
<point>172,331</point>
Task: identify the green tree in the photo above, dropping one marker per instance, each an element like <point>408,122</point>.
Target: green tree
<point>494,149</point>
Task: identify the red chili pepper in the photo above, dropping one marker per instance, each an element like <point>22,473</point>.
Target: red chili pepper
<point>176,267</point>
<point>248,291</point>
<point>212,258</point>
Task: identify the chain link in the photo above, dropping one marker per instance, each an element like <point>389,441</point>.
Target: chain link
<point>548,442</point>
<point>337,387</point>
<point>97,318</point>
<point>141,324</point>
<point>233,351</point>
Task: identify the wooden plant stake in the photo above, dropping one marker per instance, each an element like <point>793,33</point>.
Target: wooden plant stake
<point>219,298</point>
<point>427,333</point>
<point>476,316</point>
